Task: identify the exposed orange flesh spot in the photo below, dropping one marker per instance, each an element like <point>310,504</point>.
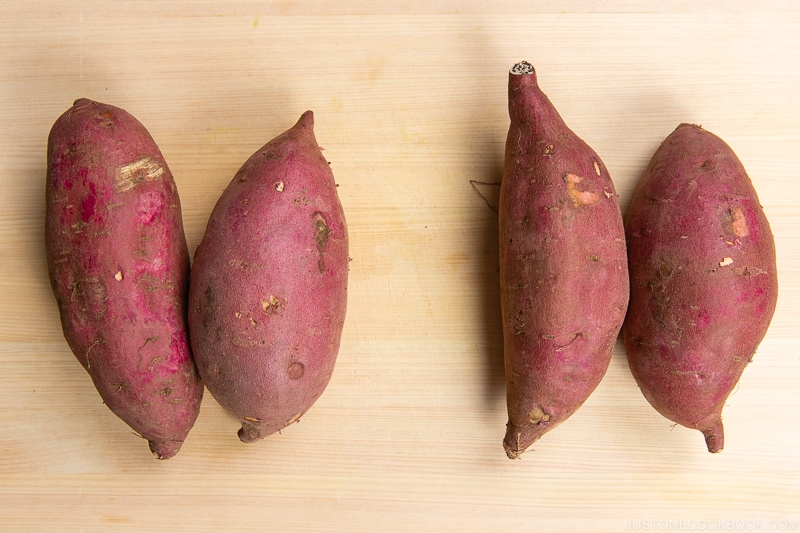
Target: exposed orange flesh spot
<point>577,196</point>
<point>738,223</point>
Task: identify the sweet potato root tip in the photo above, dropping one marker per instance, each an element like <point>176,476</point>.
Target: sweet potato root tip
<point>306,120</point>
<point>513,452</point>
<point>514,443</point>
<point>165,449</point>
<point>715,437</point>
<point>249,432</point>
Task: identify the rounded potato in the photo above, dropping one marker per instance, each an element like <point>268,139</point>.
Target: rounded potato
<point>269,285</point>
<point>703,279</point>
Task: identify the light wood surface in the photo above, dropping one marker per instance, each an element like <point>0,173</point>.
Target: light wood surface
<point>410,105</point>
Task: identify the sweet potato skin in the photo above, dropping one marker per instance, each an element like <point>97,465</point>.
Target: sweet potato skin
<point>703,279</point>
<point>119,269</point>
<point>563,266</point>
<point>269,285</point>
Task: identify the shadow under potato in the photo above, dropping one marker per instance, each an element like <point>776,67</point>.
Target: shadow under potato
<point>487,246</point>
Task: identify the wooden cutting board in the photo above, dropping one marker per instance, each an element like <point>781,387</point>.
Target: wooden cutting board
<point>410,105</point>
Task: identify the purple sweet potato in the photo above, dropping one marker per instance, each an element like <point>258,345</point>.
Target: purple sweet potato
<point>703,279</point>
<point>269,285</point>
<point>119,269</point>
<point>563,267</point>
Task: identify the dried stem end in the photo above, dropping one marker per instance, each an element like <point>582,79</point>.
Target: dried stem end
<point>523,67</point>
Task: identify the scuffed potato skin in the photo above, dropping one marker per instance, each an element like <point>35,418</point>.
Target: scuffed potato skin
<point>119,269</point>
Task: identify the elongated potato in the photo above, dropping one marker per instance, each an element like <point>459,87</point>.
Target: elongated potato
<point>563,267</point>
<point>119,268</point>
<point>269,285</point>
<point>703,279</point>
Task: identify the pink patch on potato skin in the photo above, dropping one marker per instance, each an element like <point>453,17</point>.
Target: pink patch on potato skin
<point>149,207</point>
<point>179,353</point>
<point>754,219</point>
<point>87,208</point>
<point>703,319</point>
<point>145,377</point>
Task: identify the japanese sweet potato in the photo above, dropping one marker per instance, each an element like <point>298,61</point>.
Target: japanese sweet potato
<point>269,285</point>
<point>119,269</point>
<point>563,266</point>
<point>703,279</point>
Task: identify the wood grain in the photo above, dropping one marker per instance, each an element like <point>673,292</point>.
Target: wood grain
<point>410,105</point>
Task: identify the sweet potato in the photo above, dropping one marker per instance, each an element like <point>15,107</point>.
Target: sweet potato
<point>703,279</point>
<point>563,267</point>
<point>119,269</point>
<point>269,285</point>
